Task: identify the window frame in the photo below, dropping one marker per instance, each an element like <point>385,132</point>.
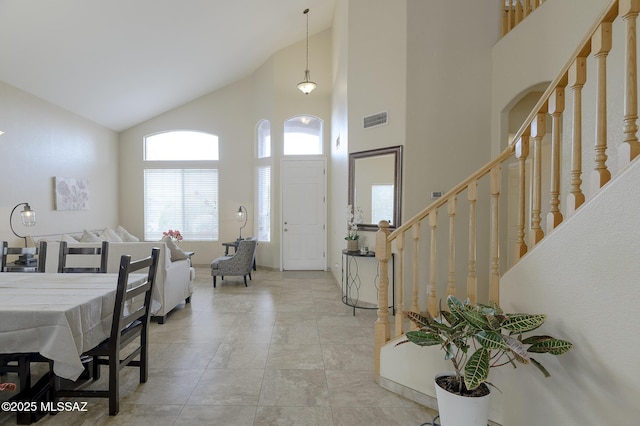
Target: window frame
<point>184,165</point>
<point>320,136</point>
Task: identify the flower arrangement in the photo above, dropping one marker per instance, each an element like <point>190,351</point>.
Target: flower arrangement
<point>173,233</point>
<point>7,387</point>
<point>354,217</point>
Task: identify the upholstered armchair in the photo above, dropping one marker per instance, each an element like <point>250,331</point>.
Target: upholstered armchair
<point>237,265</point>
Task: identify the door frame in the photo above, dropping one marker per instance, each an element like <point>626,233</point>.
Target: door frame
<point>299,158</point>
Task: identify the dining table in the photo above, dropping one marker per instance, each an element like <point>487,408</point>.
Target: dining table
<point>58,316</point>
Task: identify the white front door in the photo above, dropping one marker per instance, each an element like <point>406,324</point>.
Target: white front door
<point>303,214</point>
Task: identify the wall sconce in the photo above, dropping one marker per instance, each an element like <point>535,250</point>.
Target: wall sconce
<point>307,85</point>
<point>241,216</point>
<point>28,219</point>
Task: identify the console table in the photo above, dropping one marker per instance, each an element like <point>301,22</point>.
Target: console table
<point>351,280</point>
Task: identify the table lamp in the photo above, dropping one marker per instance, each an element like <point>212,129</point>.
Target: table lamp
<point>28,219</point>
<point>241,216</point>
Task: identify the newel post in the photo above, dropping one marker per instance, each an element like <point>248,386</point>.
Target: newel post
<point>381,328</point>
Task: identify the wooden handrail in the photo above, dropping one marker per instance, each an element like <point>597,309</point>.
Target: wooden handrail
<point>508,151</point>
<point>544,121</point>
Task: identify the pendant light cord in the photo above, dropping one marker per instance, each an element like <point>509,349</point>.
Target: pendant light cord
<point>306,12</point>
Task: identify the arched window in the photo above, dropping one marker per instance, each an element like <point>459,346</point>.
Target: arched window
<point>303,136</point>
<point>179,194</point>
<point>264,139</point>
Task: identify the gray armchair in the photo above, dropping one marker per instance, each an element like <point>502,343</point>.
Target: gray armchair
<point>237,265</point>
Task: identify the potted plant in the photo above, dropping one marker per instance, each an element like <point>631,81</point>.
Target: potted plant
<point>353,218</point>
<point>476,338</point>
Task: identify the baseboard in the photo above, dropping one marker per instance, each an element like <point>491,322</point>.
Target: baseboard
<point>411,394</point>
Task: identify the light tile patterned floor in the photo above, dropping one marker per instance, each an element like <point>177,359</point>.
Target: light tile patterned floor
<point>284,351</point>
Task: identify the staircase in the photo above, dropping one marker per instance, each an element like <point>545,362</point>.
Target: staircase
<point>553,220</point>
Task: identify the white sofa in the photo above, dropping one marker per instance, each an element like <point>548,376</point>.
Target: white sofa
<point>174,280</point>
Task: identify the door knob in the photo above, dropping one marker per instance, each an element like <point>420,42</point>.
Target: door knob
<point>285,229</point>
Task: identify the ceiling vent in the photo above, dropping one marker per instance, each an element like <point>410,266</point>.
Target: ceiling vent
<point>375,120</point>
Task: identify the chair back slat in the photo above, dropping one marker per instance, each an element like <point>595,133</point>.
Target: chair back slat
<point>125,311</point>
<point>40,252</point>
<point>67,251</point>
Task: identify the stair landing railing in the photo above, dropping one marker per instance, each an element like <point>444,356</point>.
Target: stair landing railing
<point>546,119</point>
<point>514,11</point>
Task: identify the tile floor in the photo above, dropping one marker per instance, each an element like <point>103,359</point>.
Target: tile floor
<point>284,351</point>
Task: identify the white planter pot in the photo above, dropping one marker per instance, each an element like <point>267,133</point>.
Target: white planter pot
<point>456,410</point>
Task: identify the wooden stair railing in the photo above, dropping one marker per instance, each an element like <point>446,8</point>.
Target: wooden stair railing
<point>483,187</point>
<point>514,11</point>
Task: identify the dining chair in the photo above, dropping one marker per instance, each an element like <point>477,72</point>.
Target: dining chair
<point>19,364</point>
<point>239,264</point>
<point>29,259</point>
<point>67,251</point>
<point>130,325</point>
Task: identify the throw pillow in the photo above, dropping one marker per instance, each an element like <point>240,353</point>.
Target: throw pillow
<point>89,237</point>
<point>176,252</point>
<point>110,235</point>
<point>68,238</point>
<point>125,235</point>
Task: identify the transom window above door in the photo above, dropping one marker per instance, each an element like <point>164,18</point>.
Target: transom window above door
<point>303,136</point>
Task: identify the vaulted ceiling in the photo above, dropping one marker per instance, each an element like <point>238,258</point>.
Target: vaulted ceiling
<point>120,62</point>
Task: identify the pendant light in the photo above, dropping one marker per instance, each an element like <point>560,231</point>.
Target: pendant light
<point>307,85</point>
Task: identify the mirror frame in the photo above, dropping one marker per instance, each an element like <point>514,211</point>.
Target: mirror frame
<point>396,151</point>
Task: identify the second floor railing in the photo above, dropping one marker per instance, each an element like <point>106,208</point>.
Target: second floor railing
<point>515,11</point>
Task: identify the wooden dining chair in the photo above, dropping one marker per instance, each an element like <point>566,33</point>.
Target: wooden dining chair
<point>130,322</point>
<point>18,364</point>
<point>29,260</point>
<point>67,251</point>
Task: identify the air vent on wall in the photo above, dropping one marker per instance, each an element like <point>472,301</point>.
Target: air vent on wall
<point>375,120</point>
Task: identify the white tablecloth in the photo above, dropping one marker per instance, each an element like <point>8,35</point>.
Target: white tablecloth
<point>58,315</point>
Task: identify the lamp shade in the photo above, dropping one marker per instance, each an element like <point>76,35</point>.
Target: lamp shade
<point>28,216</point>
<point>307,85</point>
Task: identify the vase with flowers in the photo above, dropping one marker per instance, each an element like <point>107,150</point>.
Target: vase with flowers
<point>354,216</point>
<point>174,234</point>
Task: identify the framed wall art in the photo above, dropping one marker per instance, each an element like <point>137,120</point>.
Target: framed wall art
<point>71,194</point>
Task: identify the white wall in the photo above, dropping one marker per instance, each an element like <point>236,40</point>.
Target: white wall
<point>42,141</point>
<point>232,114</point>
<point>370,77</point>
<point>339,141</point>
<point>448,132</point>
<point>584,279</point>
<point>223,113</point>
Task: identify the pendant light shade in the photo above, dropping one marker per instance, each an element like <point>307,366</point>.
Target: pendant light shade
<point>307,85</point>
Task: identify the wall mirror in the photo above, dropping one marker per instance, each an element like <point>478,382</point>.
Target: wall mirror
<point>375,186</point>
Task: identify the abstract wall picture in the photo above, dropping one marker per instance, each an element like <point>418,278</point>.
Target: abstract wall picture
<point>72,194</point>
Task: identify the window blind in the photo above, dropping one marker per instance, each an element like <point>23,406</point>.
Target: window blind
<point>264,203</point>
<point>181,199</point>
